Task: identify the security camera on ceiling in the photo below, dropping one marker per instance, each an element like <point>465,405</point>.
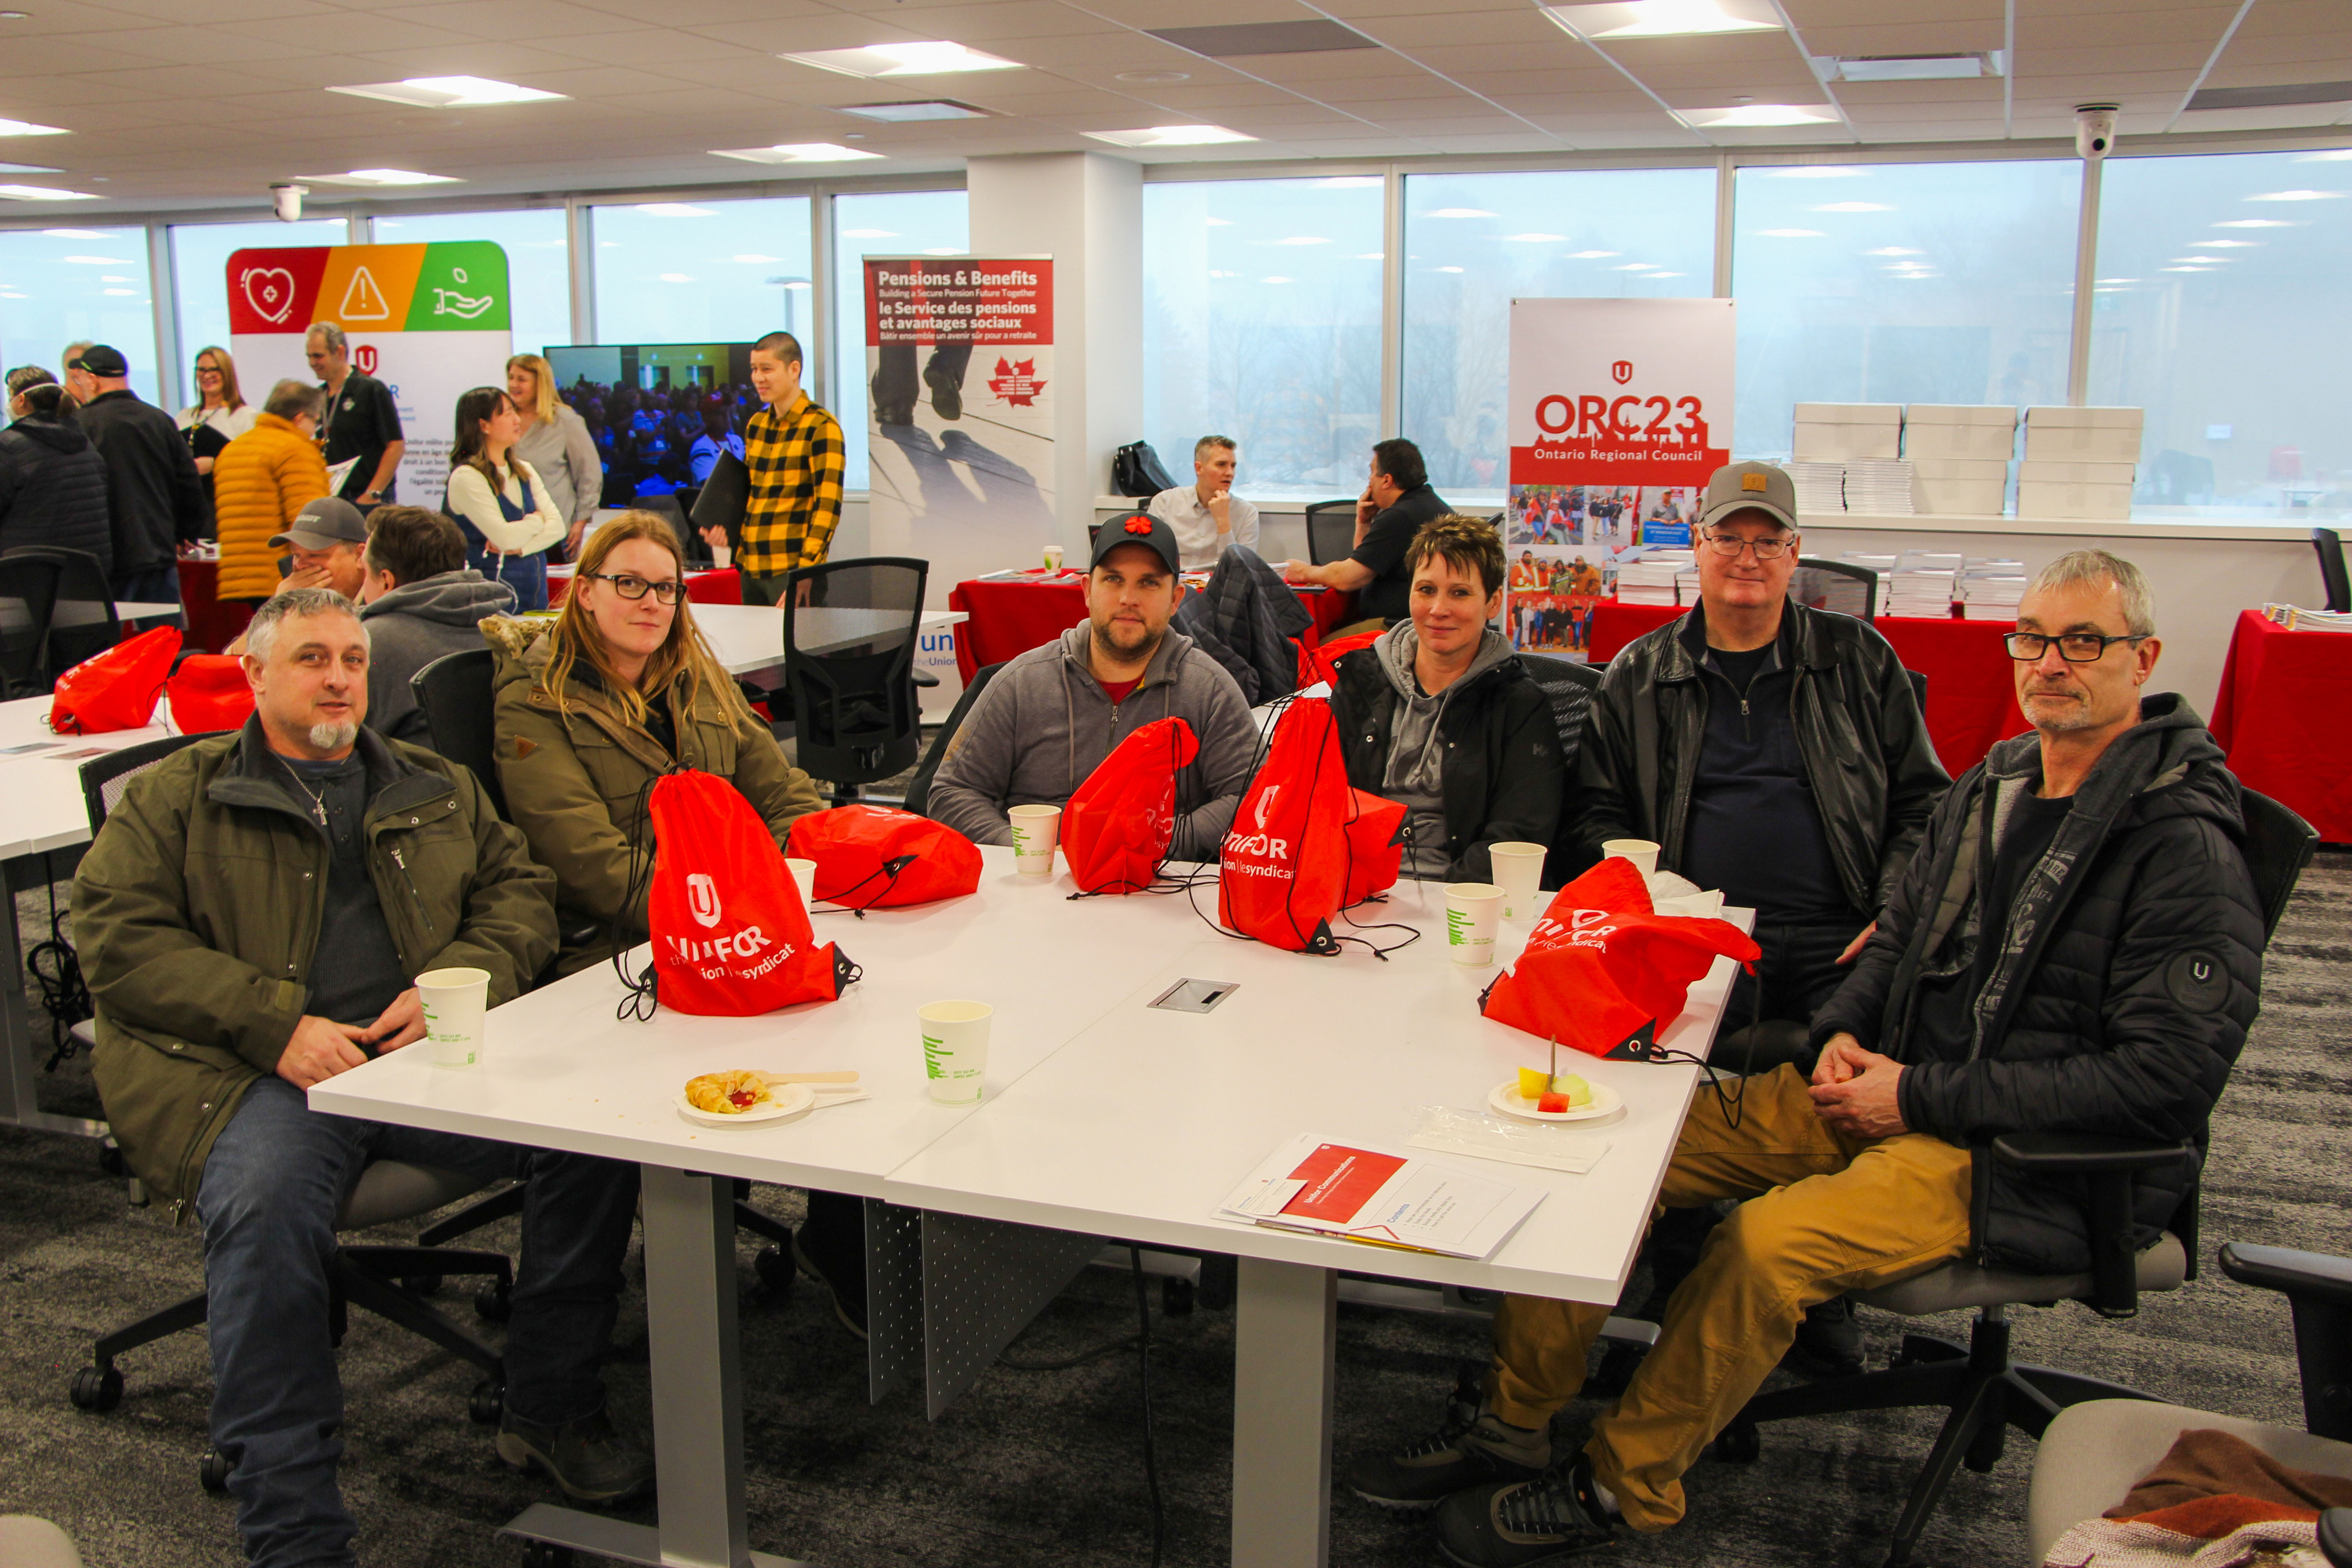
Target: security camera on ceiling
<point>286,201</point>
<point>2095,129</point>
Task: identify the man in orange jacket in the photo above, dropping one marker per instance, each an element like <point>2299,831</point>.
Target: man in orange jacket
<point>261,482</point>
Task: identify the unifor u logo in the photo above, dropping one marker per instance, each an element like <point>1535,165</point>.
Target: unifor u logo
<point>1622,371</point>
<point>1266,803</point>
<point>702,898</point>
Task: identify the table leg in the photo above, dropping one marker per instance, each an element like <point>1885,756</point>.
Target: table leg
<point>1287,1318</point>
<point>18,1105</point>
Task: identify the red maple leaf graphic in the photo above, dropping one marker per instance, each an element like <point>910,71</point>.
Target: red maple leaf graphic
<point>1017,382</point>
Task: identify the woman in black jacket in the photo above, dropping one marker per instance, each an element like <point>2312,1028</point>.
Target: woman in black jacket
<point>52,480</point>
<point>1439,713</point>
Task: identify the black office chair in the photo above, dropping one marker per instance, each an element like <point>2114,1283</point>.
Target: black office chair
<point>2332,578</point>
<point>1986,1392</point>
<point>1571,687</point>
<point>28,598</point>
<point>84,622</point>
<point>455,694</point>
<point>1330,530</point>
<point>1821,584</point>
<point>918,789</point>
<point>856,718</point>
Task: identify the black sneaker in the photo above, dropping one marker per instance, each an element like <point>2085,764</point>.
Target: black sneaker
<point>1472,1445</point>
<point>830,1248</point>
<point>588,1459</point>
<point>1828,1342</point>
<point>1518,1524</point>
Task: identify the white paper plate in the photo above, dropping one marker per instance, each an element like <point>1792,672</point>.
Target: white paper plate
<point>785,1100</point>
<point>1505,1097</point>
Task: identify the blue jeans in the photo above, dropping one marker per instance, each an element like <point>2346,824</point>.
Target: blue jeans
<point>271,1186</point>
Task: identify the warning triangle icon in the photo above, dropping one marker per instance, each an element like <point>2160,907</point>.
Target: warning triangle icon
<point>363,300</point>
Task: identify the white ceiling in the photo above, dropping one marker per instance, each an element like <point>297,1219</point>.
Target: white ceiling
<point>178,103</point>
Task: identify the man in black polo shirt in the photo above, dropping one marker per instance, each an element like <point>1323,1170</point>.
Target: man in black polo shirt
<point>1392,509</point>
<point>154,493</point>
<point>360,419</point>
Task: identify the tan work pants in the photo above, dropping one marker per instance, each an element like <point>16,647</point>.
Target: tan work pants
<point>1825,1214</point>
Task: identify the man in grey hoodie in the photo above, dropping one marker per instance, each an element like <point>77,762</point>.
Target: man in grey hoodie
<point>1050,716</point>
<point>420,600</point>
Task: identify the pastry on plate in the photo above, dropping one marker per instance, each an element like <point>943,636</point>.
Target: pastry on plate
<point>727,1093</point>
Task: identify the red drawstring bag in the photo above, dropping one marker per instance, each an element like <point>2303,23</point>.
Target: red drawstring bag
<point>869,857</point>
<point>1601,966</point>
<point>730,936</point>
<point>1374,852</point>
<point>116,690</point>
<point>1330,653</point>
<point>1283,867</point>
<point>208,692</point>
<point>1116,828</point>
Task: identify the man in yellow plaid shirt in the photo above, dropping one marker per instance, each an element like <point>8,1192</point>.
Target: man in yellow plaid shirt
<point>792,449</point>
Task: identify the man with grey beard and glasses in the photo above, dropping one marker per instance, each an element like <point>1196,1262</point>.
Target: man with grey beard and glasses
<point>251,918</point>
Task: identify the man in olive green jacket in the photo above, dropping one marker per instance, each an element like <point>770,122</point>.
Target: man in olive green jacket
<point>251,918</point>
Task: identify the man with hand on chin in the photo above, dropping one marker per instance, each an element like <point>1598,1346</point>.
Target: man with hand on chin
<point>1050,716</point>
<point>1206,515</point>
<point>2075,947</point>
<point>251,918</point>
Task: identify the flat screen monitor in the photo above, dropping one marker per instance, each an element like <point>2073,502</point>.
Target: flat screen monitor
<point>661,412</point>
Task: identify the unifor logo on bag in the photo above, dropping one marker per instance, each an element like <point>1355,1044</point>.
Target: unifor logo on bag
<point>718,956</point>
<point>1258,853</point>
<point>702,899</point>
<point>1583,928</point>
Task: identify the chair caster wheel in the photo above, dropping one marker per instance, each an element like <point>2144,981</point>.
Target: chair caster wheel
<point>96,1388</point>
<point>1176,1296</point>
<point>546,1554</point>
<point>774,1268</point>
<point>488,1402</point>
<point>212,1471</point>
<point>492,1303</point>
<point>1739,1443</point>
<point>421,1284</point>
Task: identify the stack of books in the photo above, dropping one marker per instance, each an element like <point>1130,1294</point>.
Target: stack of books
<point>1878,489</point>
<point>1987,597</point>
<point>2295,619</point>
<point>1821,488</point>
<point>1686,584</point>
<point>1651,579</point>
<point>1922,583</point>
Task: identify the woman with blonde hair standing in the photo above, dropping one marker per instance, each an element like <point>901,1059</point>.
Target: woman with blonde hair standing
<point>497,500</point>
<point>221,412</point>
<point>556,443</point>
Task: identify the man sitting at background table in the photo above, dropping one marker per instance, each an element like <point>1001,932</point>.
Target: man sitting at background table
<point>250,917</point>
<point>421,601</point>
<point>1397,500</point>
<point>1206,515</point>
<point>1050,716</point>
<point>325,548</point>
<point>2075,947</point>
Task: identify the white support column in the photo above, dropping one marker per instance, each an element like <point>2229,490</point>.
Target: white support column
<point>1085,211</point>
<point>1391,409</point>
<point>580,250</point>
<point>2087,276</point>
<point>172,388</point>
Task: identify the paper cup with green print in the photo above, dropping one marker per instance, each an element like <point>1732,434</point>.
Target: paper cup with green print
<point>955,1048</point>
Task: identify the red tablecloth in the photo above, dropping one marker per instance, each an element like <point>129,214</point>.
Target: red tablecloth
<point>722,587</point>
<point>1010,617</point>
<point>212,624</point>
<point>1971,690</point>
<point>2279,690</point>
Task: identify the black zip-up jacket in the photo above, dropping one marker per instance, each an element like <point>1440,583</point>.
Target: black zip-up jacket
<point>1502,765</point>
<point>1864,742</point>
<point>153,490</point>
<point>2130,969</point>
<point>53,488</point>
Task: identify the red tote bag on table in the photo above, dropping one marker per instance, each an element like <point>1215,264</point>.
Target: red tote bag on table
<point>1284,867</point>
<point>208,692</point>
<point>872,858</point>
<point>1601,966</point>
<point>732,938</point>
<point>1116,828</point>
<point>116,690</point>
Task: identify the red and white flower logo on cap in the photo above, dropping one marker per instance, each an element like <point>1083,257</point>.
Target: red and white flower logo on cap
<point>1139,525</point>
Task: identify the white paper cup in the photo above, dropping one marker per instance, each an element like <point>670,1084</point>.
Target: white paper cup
<point>955,1048</point>
<point>722,556</point>
<point>1054,557</point>
<point>1474,915</point>
<point>455,1000</point>
<point>1518,871</point>
<point>804,878</point>
<point>1641,851</point>
<point>1036,830</point>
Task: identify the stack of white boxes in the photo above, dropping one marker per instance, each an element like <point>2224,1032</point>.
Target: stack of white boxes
<point>1960,456</point>
<point>1922,583</point>
<point>1990,589</point>
<point>1848,458</point>
<point>2079,462</point>
<point>1686,584</point>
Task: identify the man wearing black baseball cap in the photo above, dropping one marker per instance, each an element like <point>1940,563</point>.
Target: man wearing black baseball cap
<point>1050,716</point>
<point>154,492</point>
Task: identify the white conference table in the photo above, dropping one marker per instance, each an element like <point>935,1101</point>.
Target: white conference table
<point>751,636</point>
<point>1103,1117</point>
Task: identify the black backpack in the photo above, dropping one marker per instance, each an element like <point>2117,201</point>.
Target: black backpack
<point>1135,472</point>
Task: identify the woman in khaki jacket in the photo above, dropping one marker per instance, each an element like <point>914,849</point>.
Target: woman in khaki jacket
<point>591,707</point>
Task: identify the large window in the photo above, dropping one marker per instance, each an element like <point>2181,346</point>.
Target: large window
<point>2221,309</point>
<point>899,223</point>
<point>539,267</point>
<point>1262,321</point>
<point>62,284</point>
<point>1900,283</point>
<point>701,272</point>
<point>1476,242</point>
<point>200,253</point>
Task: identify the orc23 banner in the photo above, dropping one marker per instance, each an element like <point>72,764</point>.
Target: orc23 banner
<point>1619,411</point>
<point>430,321</point>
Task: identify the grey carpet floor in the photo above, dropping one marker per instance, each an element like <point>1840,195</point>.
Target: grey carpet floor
<point>1045,1468</point>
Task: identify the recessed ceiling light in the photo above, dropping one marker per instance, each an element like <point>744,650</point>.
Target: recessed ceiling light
<point>448,92</point>
<point>2204,261</point>
<point>794,152</point>
<point>1459,212</point>
<point>1635,266</point>
<point>1155,79</point>
<point>876,60</point>
<point>912,113</point>
<point>1666,18</point>
<point>41,194</point>
<point>1657,275</point>
<point>13,16</point>
<point>1746,115</point>
<point>1907,68</point>
<point>1893,250</point>
<point>1592,255</point>
<point>1449,270</point>
<point>1853,207</point>
<point>1304,240</point>
<point>28,168</point>
<point>1536,238</point>
<point>77,234</point>
<point>26,127</point>
<point>2118,280</point>
<point>1813,172</point>
<point>2334,156</point>
<point>385,177</point>
<point>2187,270</point>
<point>2223,244</point>
<point>2298,195</point>
<point>671,209</point>
<point>1172,136</point>
<point>2256,223</point>
<point>1788,233</point>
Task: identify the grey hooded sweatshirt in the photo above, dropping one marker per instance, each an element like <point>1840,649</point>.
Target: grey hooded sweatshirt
<point>410,627</point>
<point>1044,724</point>
<point>1416,769</point>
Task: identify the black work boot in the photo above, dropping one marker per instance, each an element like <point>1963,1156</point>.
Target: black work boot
<point>1519,1524</point>
<point>1471,1444</point>
<point>587,1457</point>
<point>1828,1342</point>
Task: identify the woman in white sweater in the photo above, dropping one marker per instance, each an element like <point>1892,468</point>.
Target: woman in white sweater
<point>499,503</point>
<point>556,443</point>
